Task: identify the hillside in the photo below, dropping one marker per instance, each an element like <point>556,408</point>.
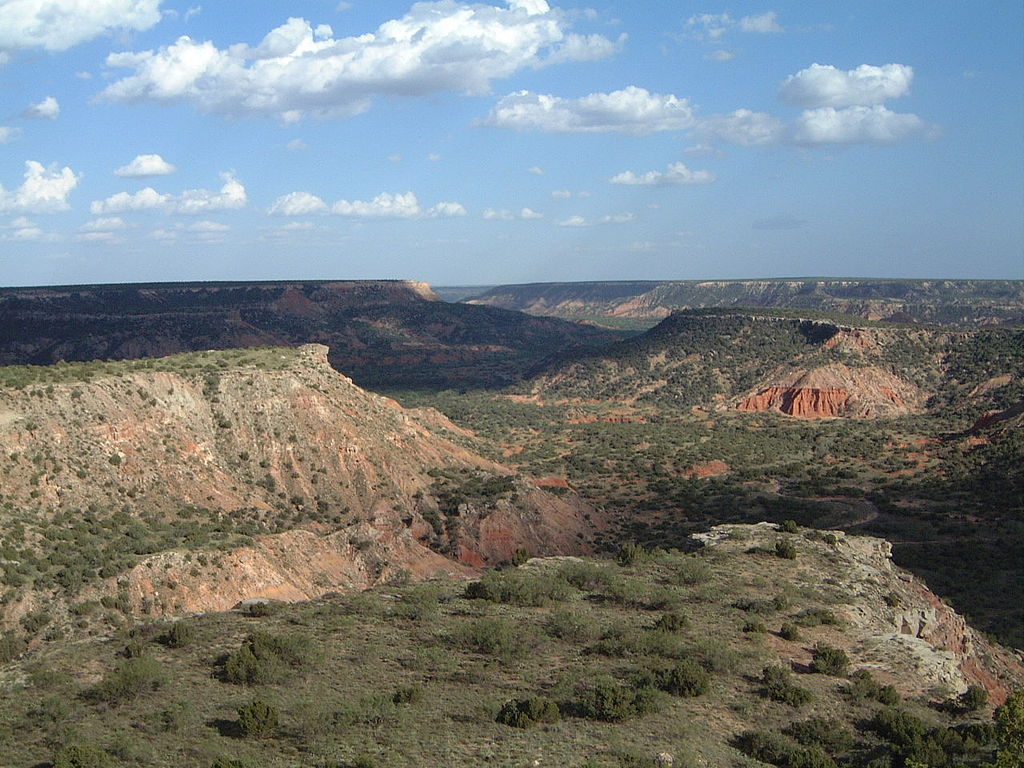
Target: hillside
<point>721,359</point>
<point>943,302</point>
<point>395,332</point>
<point>191,482</point>
<point>827,653</point>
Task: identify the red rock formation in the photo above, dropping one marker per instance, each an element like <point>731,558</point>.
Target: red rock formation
<point>834,390</point>
<point>804,402</point>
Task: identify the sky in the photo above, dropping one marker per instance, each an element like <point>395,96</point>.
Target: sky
<point>509,141</point>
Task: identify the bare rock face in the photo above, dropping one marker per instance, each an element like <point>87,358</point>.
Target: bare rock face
<point>897,627</point>
<point>835,390</point>
<point>330,486</point>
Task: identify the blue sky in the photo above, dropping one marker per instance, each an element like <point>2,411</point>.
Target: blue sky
<point>497,142</point>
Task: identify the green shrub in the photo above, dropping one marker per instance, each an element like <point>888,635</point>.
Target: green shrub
<point>257,719</point>
<point>129,679</point>
<point>519,588</point>
<point>179,635</point>
<point>495,636</point>
<point>228,762</point>
<point>631,554</point>
<point>778,687</point>
<point>606,699</point>
<point>754,626</point>
<point>898,726</point>
<point>789,526</point>
<point>523,713</point>
<point>586,576</point>
<point>11,647</point>
<point>823,732</point>
<point>789,632</point>
<point>689,571</point>
<point>266,658</point>
<point>685,678</point>
<point>786,550</point>
<point>777,750</point>
<point>973,699</point>
<point>863,686</point>
<point>813,617</point>
<point>411,695</point>
<point>567,624</point>
<point>671,622</point>
<point>830,661</point>
<point>82,756</point>
<point>520,556</point>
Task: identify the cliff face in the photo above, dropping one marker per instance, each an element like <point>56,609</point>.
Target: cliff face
<point>307,482</point>
<point>894,625</point>
<point>953,302</point>
<point>836,390</point>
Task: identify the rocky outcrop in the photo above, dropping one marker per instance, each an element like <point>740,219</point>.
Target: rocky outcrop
<point>897,627</point>
<point>835,390</point>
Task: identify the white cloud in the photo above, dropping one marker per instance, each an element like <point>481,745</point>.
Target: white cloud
<point>822,85</point>
<point>764,23</point>
<point>57,25</point>
<point>536,170</point>
<point>100,237</point>
<point>854,125</point>
<point>742,127</point>
<point>574,221</point>
<point>47,109</point>
<point>675,175</point>
<point>433,157</point>
<point>296,145</point>
<point>712,26</point>
<point>297,204</point>
<point>299,71</point>
<point>631,110</point>
<point>505,215</point>
<point>194,11</point>
<point>383,206</point>
<point>561,194</point>
<point>110,224</point>
<point>720,55</point>
<point>163,235</point>
<point>395,158</point>
<point>8,134</point>
<point>231,196</point>
<point>619,218</point>
<point>44,190</point>
<point>143,166</point>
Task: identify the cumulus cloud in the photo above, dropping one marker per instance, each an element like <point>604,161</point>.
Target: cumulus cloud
<point>296,145</point>
<point>47,109</point>
<point>561,194</point>
<point>854,125</point>
<point>536,170</point>
<point>144,166</point>
<point>677,174</point>
<point>57,25</point>
<point>383,206</point>
<point>631,110</point>
<point>529,213</point>
<point>8,134</point>
<point>208,227</point>
<point>297,204</point>
<point>231,196</point>
<point>742,127</point>
<point>298,70</point>
<point>822,85</point>
<point>45,190</point>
